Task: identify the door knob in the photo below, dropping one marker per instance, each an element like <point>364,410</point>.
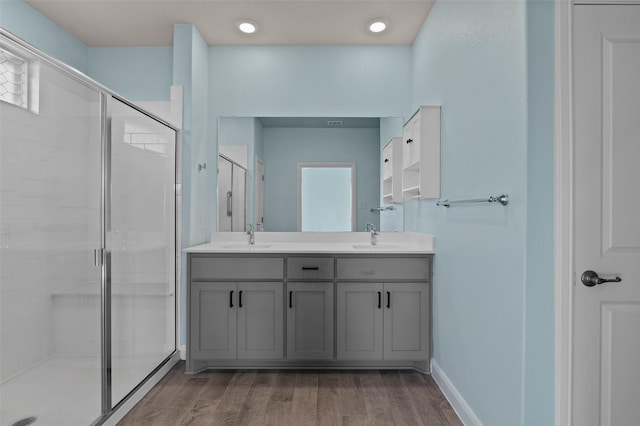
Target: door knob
<point>591,278</point>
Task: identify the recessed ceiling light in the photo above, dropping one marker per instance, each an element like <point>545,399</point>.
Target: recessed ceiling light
<point>247,26</point>
<point>378,25</point>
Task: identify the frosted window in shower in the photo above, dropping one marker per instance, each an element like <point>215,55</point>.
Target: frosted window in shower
<point>13,79</point>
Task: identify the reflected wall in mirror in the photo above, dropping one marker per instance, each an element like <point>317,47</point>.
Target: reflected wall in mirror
<point>275,147</point>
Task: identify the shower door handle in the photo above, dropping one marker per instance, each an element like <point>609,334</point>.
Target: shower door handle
<point>229,199</point>
<point>97,257</point>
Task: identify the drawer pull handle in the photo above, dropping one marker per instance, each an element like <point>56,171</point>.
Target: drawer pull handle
<point>379,299</point>
<point>388,300</point>
<point>310,268</point>
<point>231,299</point>
<point>290,299</point>
<point>240,299</point>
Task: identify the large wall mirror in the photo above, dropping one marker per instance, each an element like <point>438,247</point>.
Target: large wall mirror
<point>269,154</point>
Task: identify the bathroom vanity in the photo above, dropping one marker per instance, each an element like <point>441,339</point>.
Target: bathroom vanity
<point>310,300</point>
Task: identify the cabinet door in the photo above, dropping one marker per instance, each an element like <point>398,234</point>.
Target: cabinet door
<point>310,320</point>
<point>406,321</point>
<point>387,160</point>
<point>417,140</point>
<point>213,321</point>
<point>407,141</point>
<point>359,321</point>
<point>260,321</point>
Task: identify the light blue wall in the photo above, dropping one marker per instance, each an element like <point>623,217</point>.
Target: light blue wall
<point>137,73</point>
<point>27,23</point>
<point>320,81</point>
<point>284,148</point>
<point>190,70</point>
<point>470,57</point>
<point>539,397</point>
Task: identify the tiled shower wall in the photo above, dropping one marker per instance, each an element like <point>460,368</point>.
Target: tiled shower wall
<point>49,214</point>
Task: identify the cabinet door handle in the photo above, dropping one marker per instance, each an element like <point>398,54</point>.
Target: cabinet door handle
<point>231,299</point>
<point>310,268</point>
<point>386,160</point>
<point>290,299</point>
<point>240,299</point>
<point>409,140</point>
<point>379,299</point>
<point>388,300</point>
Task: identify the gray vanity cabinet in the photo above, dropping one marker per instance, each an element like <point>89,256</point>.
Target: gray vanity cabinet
<point>213,320</point>
<point>385,315</point>
<point>260,321</point>
<point>305,310</point>
<point>236,320</point>
<point>236,309</point>
<point>310,320</point>
<point>359,319</point>
<point>406,321</point>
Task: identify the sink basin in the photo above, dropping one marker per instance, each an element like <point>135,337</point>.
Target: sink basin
<point>377,246</point>
<point>246,246</point>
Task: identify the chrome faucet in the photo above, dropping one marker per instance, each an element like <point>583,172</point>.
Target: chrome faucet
<point>372,228</point>
<point>250,233</point>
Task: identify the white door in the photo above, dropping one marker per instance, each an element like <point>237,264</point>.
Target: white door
<point>606,317</point>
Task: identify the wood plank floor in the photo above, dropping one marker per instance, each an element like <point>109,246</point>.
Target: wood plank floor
<point>293,397</point>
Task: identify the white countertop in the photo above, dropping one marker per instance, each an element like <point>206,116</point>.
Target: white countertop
<point>318,242</point>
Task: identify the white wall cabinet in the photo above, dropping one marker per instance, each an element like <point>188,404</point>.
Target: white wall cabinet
<point>392,171</point>
<point>421,154</point>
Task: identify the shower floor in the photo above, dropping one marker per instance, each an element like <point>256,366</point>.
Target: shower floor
<point>65,390</point>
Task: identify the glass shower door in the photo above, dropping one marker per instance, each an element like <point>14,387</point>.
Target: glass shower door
<point>50,227</point>
<point>141,240</point>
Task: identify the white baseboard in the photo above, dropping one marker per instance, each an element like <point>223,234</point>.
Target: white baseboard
<point>183,352</point>
<point>460,406</point>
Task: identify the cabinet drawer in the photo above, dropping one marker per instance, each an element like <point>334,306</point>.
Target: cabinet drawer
<point>237,268</point>
<point>381,268</point>
<point>316,268</point>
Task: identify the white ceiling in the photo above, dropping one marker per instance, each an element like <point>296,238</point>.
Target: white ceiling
<point>129,23</point>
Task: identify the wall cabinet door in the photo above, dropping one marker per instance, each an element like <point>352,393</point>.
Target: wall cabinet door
<point>213,321</point>
<point>310,320</point>
<point>406,321</point>
<point>260,321</point>
<point>359,321</point>
<point>407,144</point>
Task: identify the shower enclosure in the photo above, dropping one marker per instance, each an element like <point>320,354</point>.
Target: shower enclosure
<point>87,243</point>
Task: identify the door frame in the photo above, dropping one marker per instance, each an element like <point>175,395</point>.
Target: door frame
<point>563,209</point>
<point>564,145</point>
